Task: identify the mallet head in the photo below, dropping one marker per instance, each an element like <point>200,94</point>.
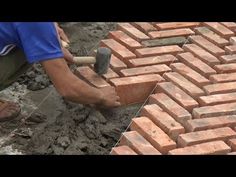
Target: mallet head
<point>103,57</point>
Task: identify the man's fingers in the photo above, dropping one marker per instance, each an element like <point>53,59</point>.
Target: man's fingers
<point>117,104</point>
<point>63,36</point>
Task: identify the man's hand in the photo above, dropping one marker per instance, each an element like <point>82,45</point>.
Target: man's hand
<point>62,34</point>
<point>109,97</point>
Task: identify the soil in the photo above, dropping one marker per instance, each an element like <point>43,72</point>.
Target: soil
<point>50,125</point>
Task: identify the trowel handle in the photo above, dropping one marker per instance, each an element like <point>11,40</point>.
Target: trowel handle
<point>84,60</point>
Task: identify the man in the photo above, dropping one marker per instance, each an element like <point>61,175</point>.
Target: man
<point>22,44</point>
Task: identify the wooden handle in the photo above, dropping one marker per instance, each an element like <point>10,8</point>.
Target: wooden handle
<point>84,60</point>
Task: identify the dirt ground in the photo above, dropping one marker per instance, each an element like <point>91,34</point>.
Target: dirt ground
<point>50,125</point>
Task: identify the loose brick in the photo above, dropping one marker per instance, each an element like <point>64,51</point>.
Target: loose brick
<point>217,99</point>
<point>162,59</point>
<point>232,144</point>
<point>210,123</point>
<point>171,33</point>
<point>125,40</point>
<point>158,138</point>
<point>207,45</point>
<point>132,31</point>
<point>216,110</point>
<point>198,137</point>
<point>210,148</point>
<point>139,144</point>
<point>91,77</point>
<point>230,49</point>
<point>135,89</point>
<point>180,114</point>
<point>190,74</point>
<point>163,120</point>
<point>184,84</point>
<point>144,26</point>
<point>122,150</point>
<point>211,36</point>
<point>177,95</point>
<point>228,58</point>
<point>233,40</point>
<point>201,54</point>
<point>117,49</point>
<point>166,41</point>
<point>154,69</point>
<point>219,29</point>
<point>174,25</point>
<point>220,88</point>
<point>116,64</point>
<point>196,64</point>
<point>219,78</point>
<point>230,25</point>
<point>225,68</point>
<point>147,52</point>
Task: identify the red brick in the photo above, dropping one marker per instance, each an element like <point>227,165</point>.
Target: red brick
<point>210,123</point>
<point>91,77</point>
<point>163,59</point>
<point>144,26</point>
<point>230,49</point>
<point>209,148</point>
<point>232,144</point>
<point>177,95</point>
<point>139,144</point>
<point>230,25</point>
<point>122,150</point>
<point>225,68</point>
<point>228,58</point>
<point>163,120</point>
<point>152,51</point>
<point>219,78</point>
<point>184,84</point>
<point>125,40</point>
<point>198,137</point>
<point>180,114</point>
<point>219,29</point>
<point>159,139</point>
<point>201,54</point>
<point>135,89</point>
<point>220,88</point>
<point>217,99</point>
<point>216,110</point>
<point>153,69</point>
<point>132,31</point>
<point>174,25</point>
<point>171,33</point>
<point>116,64</point>
<point>196,64</point>
<point>190,74</point>
<point>110,75</point>
<point>207,45</point>
<point>211,36</point>
<point>117,49</point>
<point>232,40</point>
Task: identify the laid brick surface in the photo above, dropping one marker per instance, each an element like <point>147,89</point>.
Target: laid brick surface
<point>209,148</point>
<point>184,84</point>
<point>171,33</point>
<point>180,40</point>
<point>122,150</point>
<point>87,74</point>
<point>207,45</point>
<point>228,58</point>
<point>219,29</point>
<point>135,89</point>
<point>198,137</point>
<point>201,54</point>
<point>139,144</point>
<point>210,123</point>
<point>144,27</point>
<point>195,63</point>
<point>152,51</point>
<point>230,49</point>
<point>226,68</point>
<point>147,61</point>
<point>220,88</point>
<point>233,40</point>
<point>180,114</point>
<point>211,36</point>
<point>230,25</point>
<point>190,74</point>
<point>177,95</point>
<point>153,69</point>
<point>216,110</point>
<point>232,144</point>
<point>116,64</point>
<point>174,25</point>
<point>158,138</point>
<point>219,78</point>
<point>163,120</point>
<point>132,31</point>
<point>110,75</point>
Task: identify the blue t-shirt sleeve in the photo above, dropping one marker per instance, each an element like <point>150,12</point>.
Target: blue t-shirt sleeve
<point>39,40</point>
